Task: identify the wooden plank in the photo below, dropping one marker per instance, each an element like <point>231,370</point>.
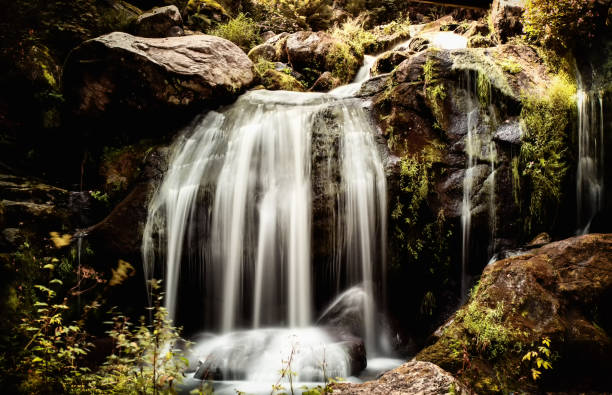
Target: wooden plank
<point>479,6</point>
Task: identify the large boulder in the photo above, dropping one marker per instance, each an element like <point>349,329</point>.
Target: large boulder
<point>119,71</point>
<point>413,377</point>
<point>506,16</point>
<point>553,303</point>
<point>159,22</point>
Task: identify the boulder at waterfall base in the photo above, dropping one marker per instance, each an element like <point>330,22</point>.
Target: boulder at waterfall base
<point>546,310</point>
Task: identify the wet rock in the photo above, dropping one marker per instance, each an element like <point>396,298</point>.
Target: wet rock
<point>121,71</point>
<point>158,22</point>
<point>418,44</point>
<point>325,83</point>
<point>509,132</point>
<point>263,51</point>
<point>374,85</point>
<point>548,292</point>
<point>265,36</point>
<point>414,377</point>
<point>477,28</point>
<point>540,240</point>
<point>506,16</point>
<point>388,61</point>
<point>479,41</point>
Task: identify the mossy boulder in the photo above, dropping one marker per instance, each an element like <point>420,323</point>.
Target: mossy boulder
<point>204,14</point>
<point>554,301</point>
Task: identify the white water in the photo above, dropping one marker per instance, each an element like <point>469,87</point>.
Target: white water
<point>235,207</point>
<point>479,145</point>
<point>590,176</point>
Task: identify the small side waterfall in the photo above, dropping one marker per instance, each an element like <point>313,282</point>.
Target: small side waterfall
<point>590,175</point>
<point>481,156</point>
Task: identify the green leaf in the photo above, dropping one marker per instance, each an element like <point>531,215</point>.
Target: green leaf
<point>49,266</point>
<point>56,281</point>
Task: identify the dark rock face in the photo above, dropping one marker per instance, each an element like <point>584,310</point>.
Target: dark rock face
<point>29,210</point>
<point>506,16</point>
<point>388,61</point>
<point>561,291</point>
<point>414,377</point>
<point>120,233</point>
<point>158,22</point>
<point>325,82</point>
<point>121,71</point>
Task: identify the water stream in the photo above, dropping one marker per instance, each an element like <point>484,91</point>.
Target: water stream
<point>235,208</point>
<point>590,173</point>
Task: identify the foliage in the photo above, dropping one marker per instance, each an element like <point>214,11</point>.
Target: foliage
<point>306,14</point>
<point>543,157</point>
<point>242,31</point>
<point>47,349</point>
<point>562,23</point>
<point>539,358</point>
<point>145,358</point>
<point>353,33</point>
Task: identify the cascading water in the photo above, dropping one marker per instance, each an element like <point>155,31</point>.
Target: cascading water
<point>590,175</point>
<point>479,147</point>
<point>235,206</point>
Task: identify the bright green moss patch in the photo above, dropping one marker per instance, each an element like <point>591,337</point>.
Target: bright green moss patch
<point>342,62</point>
<point>543,160</point>
<point>242,31</point>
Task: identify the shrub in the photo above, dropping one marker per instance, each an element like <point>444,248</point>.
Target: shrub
<point>353,33</point>
<point>242,31</point>
<point>563,23</point>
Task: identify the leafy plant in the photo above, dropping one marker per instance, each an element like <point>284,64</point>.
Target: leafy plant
<point>145,359</point>
<point>242,31</point>
<point>538,359</point>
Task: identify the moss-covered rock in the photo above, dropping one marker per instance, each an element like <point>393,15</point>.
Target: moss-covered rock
<point>204,14</point>
<point>552,305</point>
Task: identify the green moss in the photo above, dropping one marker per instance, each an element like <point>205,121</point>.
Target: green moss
<point>277,79</point>
<point>435,91</point>
<point>476,60</point>
<point>510,66</point>
<point>483,88</point>
<point>544,157</point>
<point>342,62</point>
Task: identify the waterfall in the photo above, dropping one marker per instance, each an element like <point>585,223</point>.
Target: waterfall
<point>590,174</point>
<point>479,149</point>
<point>236,207</point>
